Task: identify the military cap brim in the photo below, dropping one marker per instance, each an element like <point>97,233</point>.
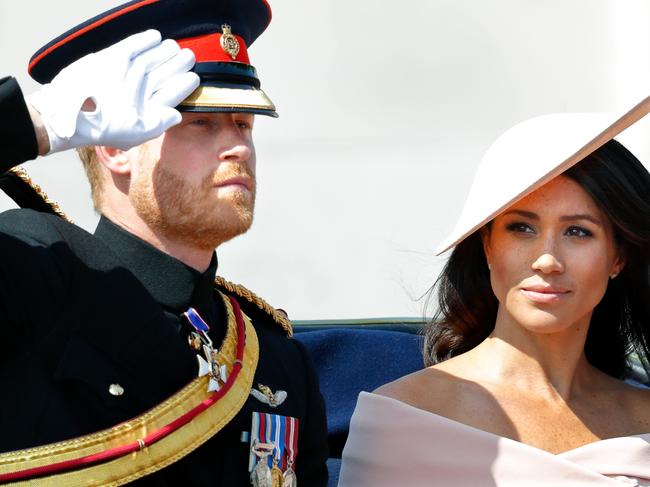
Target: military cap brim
<point>229,83</point>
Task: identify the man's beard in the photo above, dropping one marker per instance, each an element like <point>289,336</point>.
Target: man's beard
<point>192,214</point>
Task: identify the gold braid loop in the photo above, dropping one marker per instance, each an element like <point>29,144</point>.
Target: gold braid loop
<point>22,174</point>
<point>240,291</point>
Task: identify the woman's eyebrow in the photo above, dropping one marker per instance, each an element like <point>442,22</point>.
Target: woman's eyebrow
<point>565,218</point>
<point>524,213</point>
<point>581,216</point>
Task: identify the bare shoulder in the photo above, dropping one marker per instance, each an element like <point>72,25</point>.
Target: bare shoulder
<point>637,400</point>
<point>421,388</point>
<point>631,404</point>
<point>633,394</point>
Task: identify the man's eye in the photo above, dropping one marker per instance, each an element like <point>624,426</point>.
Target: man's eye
<point>575,231</point>
<point>199,122</point>
<point>519,227</point>
<point>243,125</point>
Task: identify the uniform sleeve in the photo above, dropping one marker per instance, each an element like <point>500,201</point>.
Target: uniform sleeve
<point>311,467</point>
<point>17,137</point>
<point>33,280</point>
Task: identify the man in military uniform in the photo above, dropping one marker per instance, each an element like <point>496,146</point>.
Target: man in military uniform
<point>123,359</point>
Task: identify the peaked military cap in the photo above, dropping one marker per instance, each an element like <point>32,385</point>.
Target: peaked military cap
<point>217,31</point>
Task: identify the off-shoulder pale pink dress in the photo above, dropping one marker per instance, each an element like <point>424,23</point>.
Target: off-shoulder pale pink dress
<point>394,444</point>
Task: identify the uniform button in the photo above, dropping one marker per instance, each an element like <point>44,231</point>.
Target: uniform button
<point>116,390</point>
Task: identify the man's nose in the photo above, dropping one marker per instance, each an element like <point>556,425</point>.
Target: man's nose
<point>235,147</point>
<point>238,152</point>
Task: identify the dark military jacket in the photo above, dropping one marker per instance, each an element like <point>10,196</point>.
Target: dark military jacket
<point>80,312</point>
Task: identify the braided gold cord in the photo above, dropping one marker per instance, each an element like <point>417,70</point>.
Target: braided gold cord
<point>22,174</point>
<point>242,292</point>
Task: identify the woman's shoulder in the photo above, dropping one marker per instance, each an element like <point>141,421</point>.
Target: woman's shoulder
<point>635,403</point>
<point>429,389</point>
<point>626,406</point>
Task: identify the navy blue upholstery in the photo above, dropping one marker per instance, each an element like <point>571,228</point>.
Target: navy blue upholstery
<point>350,360</point>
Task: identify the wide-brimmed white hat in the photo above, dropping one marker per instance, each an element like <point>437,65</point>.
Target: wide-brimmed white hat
<point>528,156</point>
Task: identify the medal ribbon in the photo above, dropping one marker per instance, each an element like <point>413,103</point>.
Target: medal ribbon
<point>276,430</point>
<point>269,436</point>
<point>291,440</point>
<point>196,321</point>
<point>278,453</point>
<point>261,432</point>
<point>255,429</point>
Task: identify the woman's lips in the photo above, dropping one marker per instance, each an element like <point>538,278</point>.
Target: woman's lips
<point>544,295</point>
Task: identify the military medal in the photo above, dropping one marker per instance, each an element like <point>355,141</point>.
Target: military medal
<point>280,433</point>
<point>261,475</point>
<point>276,474</point>
<point>195,341</point>
<point>291,441</point>
<point>201,342</point>
<point>289,478</point>
<point>278,452</point>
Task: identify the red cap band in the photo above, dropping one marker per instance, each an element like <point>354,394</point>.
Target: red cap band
<point>207,48</point>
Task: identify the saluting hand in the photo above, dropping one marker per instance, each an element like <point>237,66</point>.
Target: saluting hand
<point>119,97</point>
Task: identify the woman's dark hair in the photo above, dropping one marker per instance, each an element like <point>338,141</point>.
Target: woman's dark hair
<point>620,324</point>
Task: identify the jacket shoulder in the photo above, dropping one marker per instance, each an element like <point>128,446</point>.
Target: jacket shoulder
<point>255,307</point>
<point>17,137</point>
<point>36,226</point>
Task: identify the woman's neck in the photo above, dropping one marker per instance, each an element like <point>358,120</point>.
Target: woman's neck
<point>545,363</point>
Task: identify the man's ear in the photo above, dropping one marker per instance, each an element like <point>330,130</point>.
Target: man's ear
<point>115,160</point>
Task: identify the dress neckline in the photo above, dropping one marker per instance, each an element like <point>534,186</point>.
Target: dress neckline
<point>373,396</point>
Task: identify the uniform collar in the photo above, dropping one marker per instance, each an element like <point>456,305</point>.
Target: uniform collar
<point>172,283</point>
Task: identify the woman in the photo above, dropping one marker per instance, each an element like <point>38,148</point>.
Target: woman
<point>543,299</point>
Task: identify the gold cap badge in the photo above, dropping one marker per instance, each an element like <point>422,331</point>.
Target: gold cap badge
<point>229,42</point>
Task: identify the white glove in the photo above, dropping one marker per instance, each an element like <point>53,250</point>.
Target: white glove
<point>134,86</point>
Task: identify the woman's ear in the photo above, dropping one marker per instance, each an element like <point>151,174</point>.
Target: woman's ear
<point>115,160</point>
<point>485,239</point>
<point>618,265</point>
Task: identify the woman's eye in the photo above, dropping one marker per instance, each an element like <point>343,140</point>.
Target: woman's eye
<point>575,231</point>
<point>519,227</point>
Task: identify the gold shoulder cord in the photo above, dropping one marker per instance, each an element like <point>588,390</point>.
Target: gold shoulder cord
<point>240,291</point>
<point>22,174</point>
<point>157,455</point>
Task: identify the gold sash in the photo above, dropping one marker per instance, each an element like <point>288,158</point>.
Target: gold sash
<point>161,453</point>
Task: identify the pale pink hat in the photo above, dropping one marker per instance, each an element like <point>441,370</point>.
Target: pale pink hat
<point>528,156</point>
